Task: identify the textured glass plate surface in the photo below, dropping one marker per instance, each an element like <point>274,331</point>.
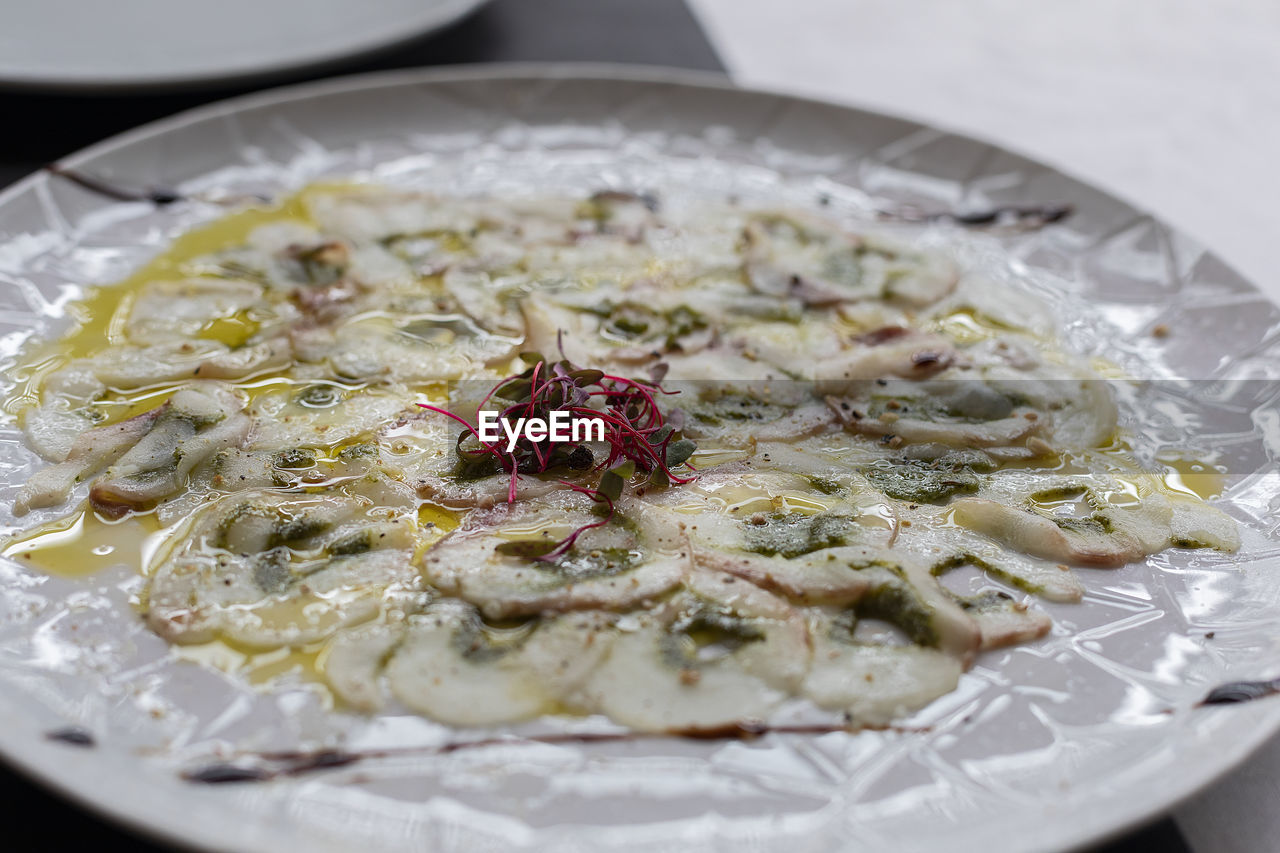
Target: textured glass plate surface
<point>1043,746</point>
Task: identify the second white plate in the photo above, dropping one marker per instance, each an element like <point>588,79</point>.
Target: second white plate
<point>128,44</point>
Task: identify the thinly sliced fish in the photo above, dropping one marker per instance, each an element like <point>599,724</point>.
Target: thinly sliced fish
<point>178,310</point>
<point>128,367</point>
<point>799,255</point>
<point>354,660</point>
<point>742,414</point>
<point>321,415</point>
<point>720,652</point>
<point>380,351</point>
<point>268,569</point>
<point>194,424</point>
<point>1196,524</point>
<point>91,452</point>
<point>874,683</point>
<point>630,561</point>
<point>1005,621</point>
<point>454,668</point>
<point>777,530</point>
<point>52,429</point>
<point>1107,536</point>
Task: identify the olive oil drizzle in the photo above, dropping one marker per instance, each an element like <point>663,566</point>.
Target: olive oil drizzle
<point>83,543</point>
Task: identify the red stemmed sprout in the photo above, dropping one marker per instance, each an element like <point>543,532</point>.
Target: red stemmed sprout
<point>641,439</point>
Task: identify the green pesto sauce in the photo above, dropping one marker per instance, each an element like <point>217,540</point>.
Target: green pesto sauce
<point>1099,521</point>
<point>482,641</point>
<point>898,604</point>
<point>794,534</point>
<point>356,543</point>
<point>922,482</point>
<point>597,563</point>
<point>705,634</point>
<point>958,560</point>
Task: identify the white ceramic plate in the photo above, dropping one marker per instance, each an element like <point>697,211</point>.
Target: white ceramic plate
<point>127,44</point>
<point>1043,746</point>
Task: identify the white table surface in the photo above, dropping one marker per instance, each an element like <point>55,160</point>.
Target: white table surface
<point>1171,104</point>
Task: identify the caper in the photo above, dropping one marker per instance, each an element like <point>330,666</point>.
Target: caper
<point>319,396</point>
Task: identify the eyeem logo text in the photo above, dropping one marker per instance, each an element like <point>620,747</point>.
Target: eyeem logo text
<point>560,426</point>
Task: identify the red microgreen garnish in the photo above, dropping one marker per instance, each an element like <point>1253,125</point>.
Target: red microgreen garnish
<point>641,440</point>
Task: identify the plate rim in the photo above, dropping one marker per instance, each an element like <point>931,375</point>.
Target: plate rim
<point>27,756</point>
<point>428,19</point>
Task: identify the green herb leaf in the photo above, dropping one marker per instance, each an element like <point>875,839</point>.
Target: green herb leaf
<point>661,435</point>
<point>678,452</point>
<point>611,484</point>
<point>626,469</point>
